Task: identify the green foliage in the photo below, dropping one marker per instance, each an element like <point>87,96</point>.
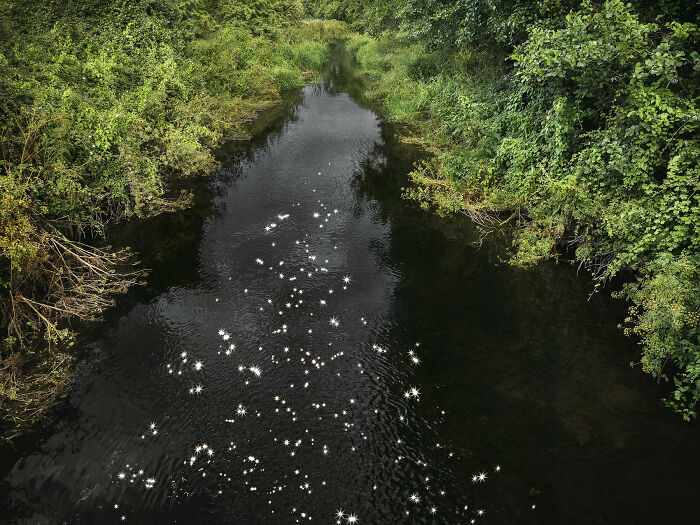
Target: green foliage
<point>361,15</point>
<point>286,77</point>
<point>310,56</point>
<point>666,317</point>
<point>586,135</point>
<point>327,31</point>
<point>261,16</point>
<point>103,105</point>
<point>100,110</point>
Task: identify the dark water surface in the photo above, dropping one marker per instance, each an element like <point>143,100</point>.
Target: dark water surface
<point>308,399</point>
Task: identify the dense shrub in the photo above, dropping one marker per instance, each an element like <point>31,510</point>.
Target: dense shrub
<point>103,105</point>
<point>580,124</point>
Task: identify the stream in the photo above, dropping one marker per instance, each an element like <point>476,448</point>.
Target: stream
<point>310,347</point>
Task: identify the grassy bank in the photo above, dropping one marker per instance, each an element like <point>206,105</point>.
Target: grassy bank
<point>106,106</point>
<point>574,123</point>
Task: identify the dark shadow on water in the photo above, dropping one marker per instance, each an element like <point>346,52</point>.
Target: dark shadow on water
<point>166,245</point>
<point>518,367</point>
<point>531,370</point>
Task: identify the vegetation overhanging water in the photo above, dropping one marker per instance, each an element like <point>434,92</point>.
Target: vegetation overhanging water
<point>573,126</point>
<point>447,386</point>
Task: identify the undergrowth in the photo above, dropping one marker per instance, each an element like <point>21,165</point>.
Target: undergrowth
<point>103,107</point>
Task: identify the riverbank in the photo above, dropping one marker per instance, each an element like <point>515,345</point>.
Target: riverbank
<point>106,110</point>
<point>516,369</point>
<point>589,157</point>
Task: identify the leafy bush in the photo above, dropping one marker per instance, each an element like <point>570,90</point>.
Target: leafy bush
<point>310,55</point>
<point>261,16</point>
<point>328,31</point>
<point>286,78</point>
<point>103,105</point>
<point>666,318</point>
<point>581,128</point>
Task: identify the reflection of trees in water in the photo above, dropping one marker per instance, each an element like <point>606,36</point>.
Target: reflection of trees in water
<point>165,243</point>
<point>265,129</point>
<point>341,76</point>
<point>316,88</point>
